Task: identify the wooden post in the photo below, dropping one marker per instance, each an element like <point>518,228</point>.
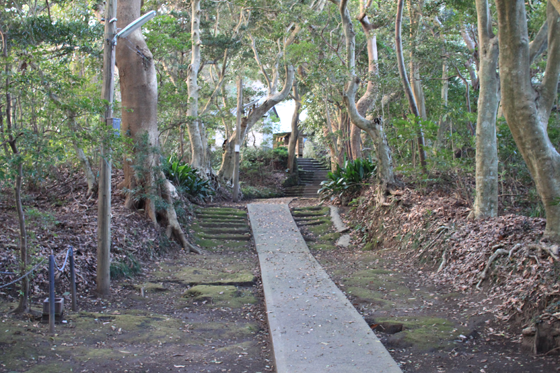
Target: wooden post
<point>52,299</point>
<point>104,199</point>
<point>238,138</point>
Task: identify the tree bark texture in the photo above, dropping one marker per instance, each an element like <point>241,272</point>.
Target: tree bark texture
<point>330,136</point>
<point>443,125</point>
<point>344,149</point>
<point>372,126</point>
<point>407,89</point>
<point>138,83</point>
<point>486,200</point>
<point>295,132</point>
<point>527,110</point>
<point>238,138</point>
<point>194,125</point>
<point>23,305</point>
<point>415,80</point>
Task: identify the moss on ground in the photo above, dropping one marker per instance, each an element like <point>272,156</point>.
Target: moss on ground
<point>221,296</point>
<point>423,333</point>
<point>217,216</point>
<point>214,245</point>
<point>321,229</point>
<point>333,236</point>
<point>321,246</point>
<point>221,211</point>
<point>308,214</point>
<point>197,276</point>
<point>150,287</point>
<point>317,210</point>
<point>225,237</point>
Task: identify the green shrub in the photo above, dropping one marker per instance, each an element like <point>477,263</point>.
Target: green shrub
<point>187,178</point>
<point>126,267</point>
<point>347,180</point>
<point>250,192</point>
<point>280,158</point>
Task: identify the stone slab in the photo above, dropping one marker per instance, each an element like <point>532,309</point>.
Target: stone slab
<point>314,328</point>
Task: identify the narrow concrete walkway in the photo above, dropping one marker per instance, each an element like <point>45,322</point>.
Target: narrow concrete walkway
<point>313,326</point>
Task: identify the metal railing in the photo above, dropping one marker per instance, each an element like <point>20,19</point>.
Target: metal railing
<point>52,268</point>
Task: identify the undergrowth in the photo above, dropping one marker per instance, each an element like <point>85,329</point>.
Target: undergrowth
<point>126,267</point>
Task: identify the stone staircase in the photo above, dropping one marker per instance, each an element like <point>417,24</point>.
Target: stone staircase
<point>311,173</point>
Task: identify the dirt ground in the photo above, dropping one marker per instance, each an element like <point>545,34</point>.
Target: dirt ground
<point>193,313</point>
<point>153,323</point>
<point>182,313</point>
<point>426,327</point>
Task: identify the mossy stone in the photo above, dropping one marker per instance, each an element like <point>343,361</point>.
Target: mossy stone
<point>220,296</point>
<point>423,333</point>
<point>198,276</point>
<point>150,287</point>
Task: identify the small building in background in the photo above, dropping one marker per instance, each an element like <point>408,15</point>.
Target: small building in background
<point>282,139</point>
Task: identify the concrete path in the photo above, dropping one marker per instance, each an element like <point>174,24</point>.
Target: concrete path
<point>313,326</point>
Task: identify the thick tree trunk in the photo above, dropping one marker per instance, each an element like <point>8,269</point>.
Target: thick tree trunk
<point>526,110</point>
<point>138,83</point>
<point>196,136</point>
<point>373,127</point>
<point>486,200</point>
<point>344,149</point>
<point>226,169</point>
<point>295,132</point>
<point>366,102</point>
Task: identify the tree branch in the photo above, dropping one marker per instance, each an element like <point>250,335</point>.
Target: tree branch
<point>549,85</point>
<point>539,44</point>
<point>259,63</point>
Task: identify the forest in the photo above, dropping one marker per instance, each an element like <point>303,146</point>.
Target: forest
<point>138,133</point>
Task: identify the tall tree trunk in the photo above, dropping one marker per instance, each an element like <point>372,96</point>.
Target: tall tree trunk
<point>194,125</point>
<point>24,253</point>
<point>23,306</point>
<point>486,200</point>
<point>415,80</point>
<point>443,126</point>
<point>138,82</point>
<point>344,149</point>
<point>408,91</point>
<point>295,132</point>
<point>226,169</point>
<point>372,126</point>
<point>526,110</point>
<point>330,137</point>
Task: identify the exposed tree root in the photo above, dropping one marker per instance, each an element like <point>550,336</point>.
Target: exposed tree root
<point>443,261</point>
<point>492,258</point>
<point>174,228</point>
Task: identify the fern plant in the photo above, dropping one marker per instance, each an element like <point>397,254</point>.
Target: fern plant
<point>347,180</point>
<point>187,178</point>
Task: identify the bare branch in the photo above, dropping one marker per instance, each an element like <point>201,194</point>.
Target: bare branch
<point>218,86</point>
<point>259,63</point>
<point>539,44</point>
